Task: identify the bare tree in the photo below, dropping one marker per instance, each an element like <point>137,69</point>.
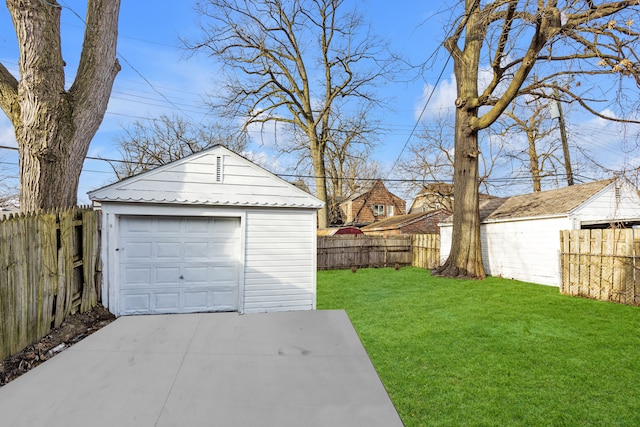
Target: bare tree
<point>351,139</point>
<point>9,188</point>
<point>348,159</point>
<point>54,125</point>
<point>543,152</point>
<point>432,156</point>
<point>145,145</point>
<point>513,40</point>
<point>291,61</point>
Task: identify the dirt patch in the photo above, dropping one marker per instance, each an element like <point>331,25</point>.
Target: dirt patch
<point>72,330</point>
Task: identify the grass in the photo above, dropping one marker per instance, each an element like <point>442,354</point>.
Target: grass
<point>493,352</point>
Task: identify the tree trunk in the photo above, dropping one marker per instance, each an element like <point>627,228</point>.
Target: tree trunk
<point>53,126</point>
<point>534,161</point>
<point>465,258</point>
<point>317,160</point>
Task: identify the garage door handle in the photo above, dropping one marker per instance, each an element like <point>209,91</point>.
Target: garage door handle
<point>181,276</point>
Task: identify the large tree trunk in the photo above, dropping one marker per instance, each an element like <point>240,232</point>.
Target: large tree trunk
<point>465,258</point>
<point>53,126</point>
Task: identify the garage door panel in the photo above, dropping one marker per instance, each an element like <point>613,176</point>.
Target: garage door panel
<point>196,275</point>
<point>168,251</point>
<point>223,249</point>
<point>136,303</point>
<point>198,226</point>
<point>226,226</point>
<point>136,250</point>
<point>173,265</point>
<point>137,276</point>
<point>166,301</point>
<point>225,300</point>
<point>196,250</point>
<point>167,225</point>
<point>225,274</point>
<point>137,225</point>
<point>197,300</point>
<point>166,276</point>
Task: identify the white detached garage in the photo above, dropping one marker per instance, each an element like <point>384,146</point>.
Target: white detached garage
<point>521,234</point>
<point>210,232</point>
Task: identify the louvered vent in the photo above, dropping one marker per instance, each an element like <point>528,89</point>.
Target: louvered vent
<point>219,169</point>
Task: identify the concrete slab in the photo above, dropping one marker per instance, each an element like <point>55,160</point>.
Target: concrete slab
<point>303,368</point>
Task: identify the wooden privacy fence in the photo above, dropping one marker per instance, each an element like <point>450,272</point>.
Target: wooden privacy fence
<point>347,251</point>
<point>425,251</point>
<point>49,268</point>
<point>601,264</point>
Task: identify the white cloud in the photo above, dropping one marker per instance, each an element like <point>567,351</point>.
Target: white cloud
<point>7,135</point>
<point>442,100</point>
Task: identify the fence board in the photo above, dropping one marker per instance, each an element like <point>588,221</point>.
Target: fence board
<point>426,251</point>
<point>601,264</point>
<point>43,264</point>
<point>49,271</point>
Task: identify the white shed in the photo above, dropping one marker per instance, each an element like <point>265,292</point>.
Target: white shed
<point>210,232</point>
<point>521,234</point>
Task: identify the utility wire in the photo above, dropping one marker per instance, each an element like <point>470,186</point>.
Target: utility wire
<point>415,126</point>
<point>125,60</point>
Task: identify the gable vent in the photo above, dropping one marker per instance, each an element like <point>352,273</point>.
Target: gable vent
<point>219,169</point>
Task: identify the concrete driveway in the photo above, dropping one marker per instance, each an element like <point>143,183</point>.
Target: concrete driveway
<point>303,368</point>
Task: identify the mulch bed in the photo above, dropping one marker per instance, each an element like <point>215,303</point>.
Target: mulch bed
<point>72,330</point>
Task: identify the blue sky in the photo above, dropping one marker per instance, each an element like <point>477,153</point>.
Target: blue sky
<point>157,76</point>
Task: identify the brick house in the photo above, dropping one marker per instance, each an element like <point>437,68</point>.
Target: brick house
<point>415,223</point>
<point>372,204</point>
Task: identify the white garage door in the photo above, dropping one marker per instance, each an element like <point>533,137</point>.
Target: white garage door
<point>178,265</point>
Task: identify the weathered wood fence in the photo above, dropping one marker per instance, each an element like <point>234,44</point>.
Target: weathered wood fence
<point>601,264</point>
<point>360,251</point>
<point>49,269</point>
<point>425,251</point>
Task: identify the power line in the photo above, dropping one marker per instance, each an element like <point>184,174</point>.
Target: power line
<point>125,60</point>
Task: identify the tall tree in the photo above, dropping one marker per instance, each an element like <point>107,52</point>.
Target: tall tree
<point>153,142</point>
<point>348,165</point>
<point>543,151</point>
<point>53,125</point>
<point>291,61</point>
<point>513,40</point>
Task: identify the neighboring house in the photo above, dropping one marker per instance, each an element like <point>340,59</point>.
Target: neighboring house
<point>209,232</point>
<point>371,204</point>
<point>415,223</point>
<point>435,196</point>
<point>521,234</point>
<point>432,197</point>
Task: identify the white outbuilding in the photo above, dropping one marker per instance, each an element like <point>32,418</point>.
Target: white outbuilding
<point>209,232</point>
<point>521,234</point>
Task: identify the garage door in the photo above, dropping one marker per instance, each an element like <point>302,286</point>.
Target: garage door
<point>178,265</point>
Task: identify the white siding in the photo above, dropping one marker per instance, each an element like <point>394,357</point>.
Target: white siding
<point>194,180</point>
<point>445,242</point>
<point>606,205</point>
<point>280,260</point>
<point>523,250</point>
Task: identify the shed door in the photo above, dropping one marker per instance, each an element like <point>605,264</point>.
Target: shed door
<point>178,264</point>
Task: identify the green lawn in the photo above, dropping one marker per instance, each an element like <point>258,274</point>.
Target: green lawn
<point>494,352</point>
